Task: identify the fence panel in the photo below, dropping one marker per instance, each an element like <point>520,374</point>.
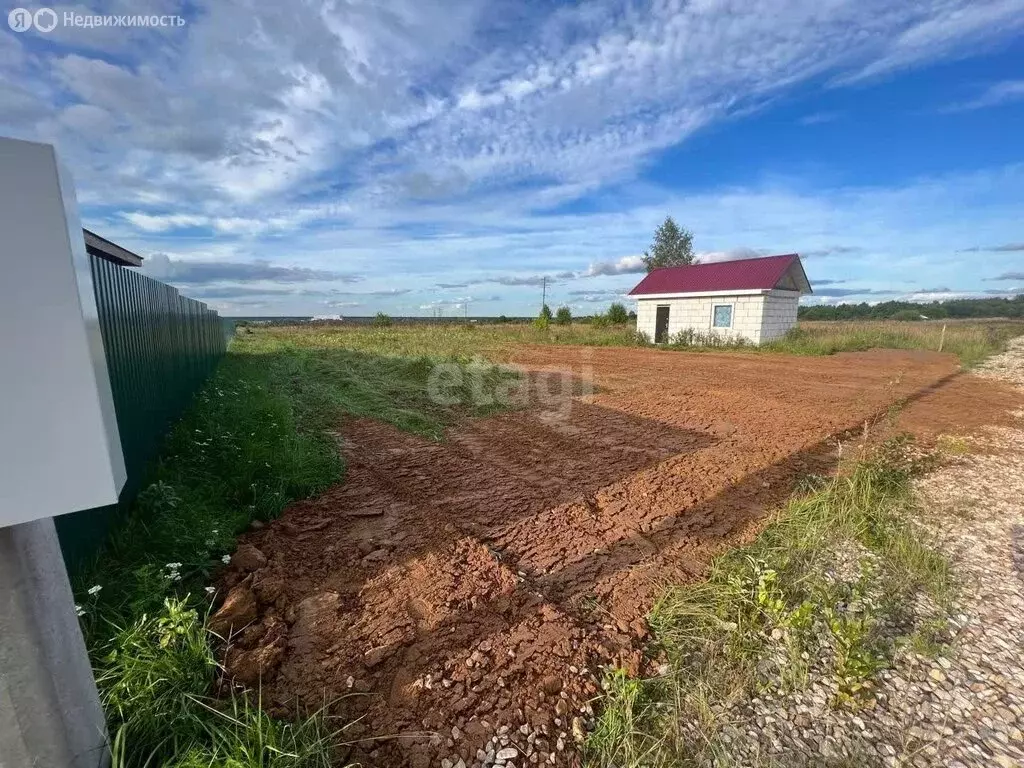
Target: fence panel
<point>160,347</point>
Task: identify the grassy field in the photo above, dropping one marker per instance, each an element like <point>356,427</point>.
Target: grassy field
<point>449,340</point>
<point>972,341</point>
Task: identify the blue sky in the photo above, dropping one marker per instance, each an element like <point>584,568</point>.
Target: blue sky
<point>415,155</point>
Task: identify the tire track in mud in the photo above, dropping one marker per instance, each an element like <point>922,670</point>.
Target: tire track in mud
<point>481,581</point>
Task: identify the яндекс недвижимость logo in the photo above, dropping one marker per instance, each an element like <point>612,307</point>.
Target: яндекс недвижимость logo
<point>22,19</point>
<point>46,20</point>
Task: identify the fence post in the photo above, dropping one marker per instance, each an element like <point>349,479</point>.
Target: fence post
<point>50,712</point>
<point>59,453</point>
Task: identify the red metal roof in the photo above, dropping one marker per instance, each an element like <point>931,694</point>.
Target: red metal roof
<point>738,275</point>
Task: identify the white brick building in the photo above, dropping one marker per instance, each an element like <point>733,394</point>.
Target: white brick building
<point>754,299</point>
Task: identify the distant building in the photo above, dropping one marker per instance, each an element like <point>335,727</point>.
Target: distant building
<point>752,299</point>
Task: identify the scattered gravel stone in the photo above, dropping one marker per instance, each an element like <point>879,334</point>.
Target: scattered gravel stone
<point>964,708</point>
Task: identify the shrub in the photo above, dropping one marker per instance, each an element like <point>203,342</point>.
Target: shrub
<point>543,320</point>
<point>617,314</point>
<point>683,338</point>
<point>563,316</point>
<point>713,339</point>
<point>382,320</point>
<point>688,337</point>
<point>600,321</point>
<point>640,339</point>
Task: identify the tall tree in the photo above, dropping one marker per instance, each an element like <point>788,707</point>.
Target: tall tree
<point>617,314</point>
<point>672,246</point>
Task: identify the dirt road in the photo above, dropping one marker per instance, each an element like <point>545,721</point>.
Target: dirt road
<point>463,594</point>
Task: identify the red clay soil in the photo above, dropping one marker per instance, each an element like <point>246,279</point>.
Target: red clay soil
<point>961,407</point>
<point>479,583</point>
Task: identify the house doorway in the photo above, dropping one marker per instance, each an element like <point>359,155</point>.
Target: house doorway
<point>661,325</point>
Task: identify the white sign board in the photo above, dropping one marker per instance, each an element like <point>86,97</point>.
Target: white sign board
<point>59,446</point>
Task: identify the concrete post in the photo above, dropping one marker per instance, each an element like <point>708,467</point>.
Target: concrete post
<point>50,713</point>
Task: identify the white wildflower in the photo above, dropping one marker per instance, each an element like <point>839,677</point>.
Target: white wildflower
<point>210,590</point>
<point>226,559</point>
<point>94,590</point>
<point>79,610</point>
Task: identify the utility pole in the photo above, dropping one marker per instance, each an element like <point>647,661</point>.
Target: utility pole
<point>544,293</point>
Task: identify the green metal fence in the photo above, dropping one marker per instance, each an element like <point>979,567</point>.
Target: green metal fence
<point>160,347</point>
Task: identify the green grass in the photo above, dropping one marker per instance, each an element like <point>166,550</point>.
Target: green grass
<point>446,341</point>
<point>242,451</point>
<point>829,578</point>
<point>156,677</point>
<point>972,342</point>
<point>257,437</point>
<point>325,375</point>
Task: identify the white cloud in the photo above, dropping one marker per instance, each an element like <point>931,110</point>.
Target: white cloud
<point>162,267</point>
<point>428,137</point>
<point>239,113</point>
<point>149,223</point>
<point>924,297</point>
<point>732,254</point>
<point>881,238</point>
<point>996,94</point>
<point>624,266</point>
<point>943,30</point>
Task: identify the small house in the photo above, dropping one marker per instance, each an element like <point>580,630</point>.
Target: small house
<point>751,299</point>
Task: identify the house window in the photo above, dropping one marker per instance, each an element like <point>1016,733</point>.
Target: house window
<point>721,316</point>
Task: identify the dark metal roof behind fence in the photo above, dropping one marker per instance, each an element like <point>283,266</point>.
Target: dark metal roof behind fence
<point>104,249</point>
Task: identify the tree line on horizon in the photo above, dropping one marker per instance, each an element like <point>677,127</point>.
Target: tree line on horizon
<point>910,310</point>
